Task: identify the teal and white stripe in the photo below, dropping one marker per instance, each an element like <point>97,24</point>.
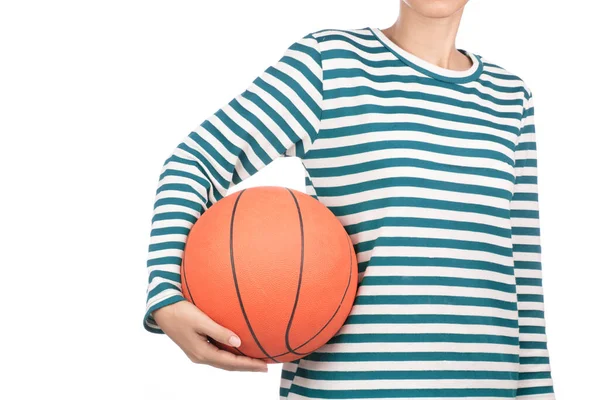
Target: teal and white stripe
<point>433,174</point>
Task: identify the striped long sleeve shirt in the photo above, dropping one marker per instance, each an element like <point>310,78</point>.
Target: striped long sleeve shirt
<point>433,173</point>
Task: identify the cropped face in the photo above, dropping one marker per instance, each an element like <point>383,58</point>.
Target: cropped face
<point>436,8</point>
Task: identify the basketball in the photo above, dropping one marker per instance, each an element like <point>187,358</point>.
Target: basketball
<point>276,267</point>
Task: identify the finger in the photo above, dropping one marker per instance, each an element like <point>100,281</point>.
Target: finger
<point>208,327</point>
<point>225,360</point>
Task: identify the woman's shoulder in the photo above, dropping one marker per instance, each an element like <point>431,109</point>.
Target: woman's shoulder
<point>502,77</point>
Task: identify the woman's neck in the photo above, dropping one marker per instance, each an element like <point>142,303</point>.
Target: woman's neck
<point>430,39</point>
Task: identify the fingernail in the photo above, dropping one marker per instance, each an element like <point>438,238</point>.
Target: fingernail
<point>235,341</point>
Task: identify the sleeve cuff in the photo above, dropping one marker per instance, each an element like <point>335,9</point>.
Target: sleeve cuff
<point>149,323</point>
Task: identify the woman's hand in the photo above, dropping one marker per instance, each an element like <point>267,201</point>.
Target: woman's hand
<point>189,328</point>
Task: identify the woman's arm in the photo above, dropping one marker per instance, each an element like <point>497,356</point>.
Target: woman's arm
<point>534,369</point>
<point>278,114</point>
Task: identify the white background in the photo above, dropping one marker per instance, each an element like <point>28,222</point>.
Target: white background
<point>95,95</point>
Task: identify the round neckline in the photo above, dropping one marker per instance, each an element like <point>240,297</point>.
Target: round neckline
<point>429,69</point>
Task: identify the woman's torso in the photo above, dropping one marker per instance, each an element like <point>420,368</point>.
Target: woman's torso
<point>418,165</point>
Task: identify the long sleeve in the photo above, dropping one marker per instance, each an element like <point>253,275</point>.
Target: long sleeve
<point>278,114</point>
<point>535,380</point>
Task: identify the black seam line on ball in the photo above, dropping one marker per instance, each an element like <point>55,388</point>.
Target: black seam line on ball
<point>237,288</point>
<point>185,278</point>
<point>289,326</point>
<point>339,305</point>
<point>332,317</point>
<point>192,298</point>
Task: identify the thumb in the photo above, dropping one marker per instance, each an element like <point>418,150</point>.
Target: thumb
<point>208,327</point>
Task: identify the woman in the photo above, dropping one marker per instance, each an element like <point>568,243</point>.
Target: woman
<point>426,154</point>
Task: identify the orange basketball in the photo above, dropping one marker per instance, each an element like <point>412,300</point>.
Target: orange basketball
<point>276,267</point>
